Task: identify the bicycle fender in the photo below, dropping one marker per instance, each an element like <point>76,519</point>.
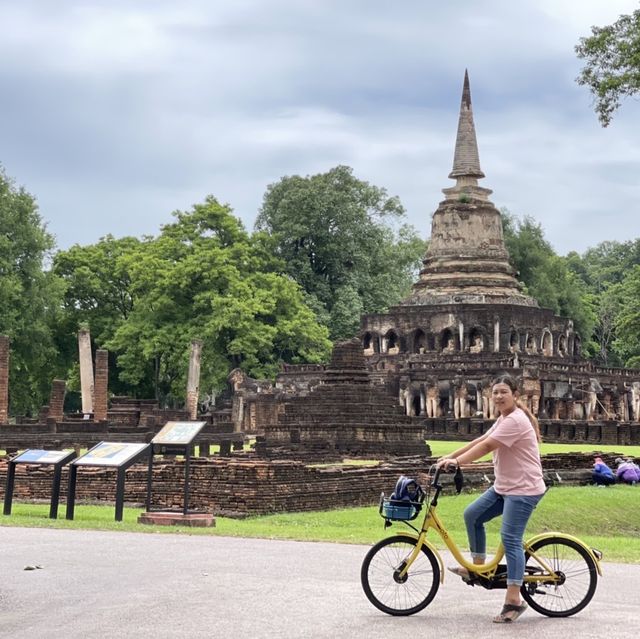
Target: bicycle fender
<point>432,548</point>
<point>548,535</point>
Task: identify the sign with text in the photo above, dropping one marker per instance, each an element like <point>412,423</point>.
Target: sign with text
<point>109,454</point>
<point>37,456</point>
<point>178,433</point>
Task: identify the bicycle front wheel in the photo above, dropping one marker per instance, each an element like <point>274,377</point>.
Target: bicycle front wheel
<point>574,569</point>
<point>386,589</point>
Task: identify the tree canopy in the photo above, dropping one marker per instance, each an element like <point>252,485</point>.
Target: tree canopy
<point>344,241</point>
<point>627,320</point>
<point>29,297</point>
<point>609,273</point>
<point>612,64</point>
<point>202,277</point>
<point>545,275</point>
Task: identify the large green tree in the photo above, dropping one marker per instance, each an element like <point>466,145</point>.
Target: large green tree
<point>99,295</point>
<point>344,241</point>
<point>628,319</point>
<point>29,297</point>
<point>546,275</point>
<point>604,269</point>
<point>202,277</point>
<point>612,64</point>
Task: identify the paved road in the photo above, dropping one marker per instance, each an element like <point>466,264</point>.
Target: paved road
<point>101,584</point>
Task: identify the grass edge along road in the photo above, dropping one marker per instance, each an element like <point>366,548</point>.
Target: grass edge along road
<point>605,518</point>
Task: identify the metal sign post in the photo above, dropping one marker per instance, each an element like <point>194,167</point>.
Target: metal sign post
<point>109,455</point>
<point>55,458</point>
<point>175,438</point>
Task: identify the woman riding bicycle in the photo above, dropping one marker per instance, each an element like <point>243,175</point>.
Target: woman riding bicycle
<point>518,487</point>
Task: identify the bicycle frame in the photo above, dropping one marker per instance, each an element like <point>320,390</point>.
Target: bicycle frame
<point>488,569</point>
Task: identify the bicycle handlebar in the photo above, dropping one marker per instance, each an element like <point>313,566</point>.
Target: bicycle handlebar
<point>457,478</point>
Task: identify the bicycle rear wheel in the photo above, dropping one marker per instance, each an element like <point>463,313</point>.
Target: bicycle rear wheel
<point>578,577</point>
<point>389,592</point>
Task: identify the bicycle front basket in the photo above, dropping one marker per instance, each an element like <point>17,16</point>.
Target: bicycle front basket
<point>399,510</point>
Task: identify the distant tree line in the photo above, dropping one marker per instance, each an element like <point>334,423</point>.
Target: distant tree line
<point>326,249</point>
<point>599,290</point>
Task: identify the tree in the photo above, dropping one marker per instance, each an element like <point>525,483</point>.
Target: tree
<point>545,275</point>
<point>29,297</point>
<point>628,319</point>
<point>205,277</point>
<point>98,294</point>
<point>612,69</point>
<point>603,269</point>
<point>344,242</point>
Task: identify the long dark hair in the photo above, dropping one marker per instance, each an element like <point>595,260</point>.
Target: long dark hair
<point>513,385</point>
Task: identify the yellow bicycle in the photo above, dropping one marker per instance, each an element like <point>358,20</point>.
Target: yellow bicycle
<point>401,574</point>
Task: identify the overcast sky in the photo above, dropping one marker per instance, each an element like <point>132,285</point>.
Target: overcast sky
<point>114,114</point>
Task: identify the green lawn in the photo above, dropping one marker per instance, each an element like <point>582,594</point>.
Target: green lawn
<point>606,518</point>
<point>439,448</point>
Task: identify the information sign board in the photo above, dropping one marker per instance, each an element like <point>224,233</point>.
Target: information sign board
<point>178,433</point>
<point>109,454</point>
<point>116,455</point>
<point>55,458</point>
<point>37,456</point>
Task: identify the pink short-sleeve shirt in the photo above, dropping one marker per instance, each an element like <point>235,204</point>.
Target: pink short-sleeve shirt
<point>516,460</point>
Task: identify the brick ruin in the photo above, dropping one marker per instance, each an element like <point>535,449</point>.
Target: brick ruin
<point>120,419</point>
<point>466,320</point>
<point>4,379</point>
<point>239,487</point>
<point>345,415</point>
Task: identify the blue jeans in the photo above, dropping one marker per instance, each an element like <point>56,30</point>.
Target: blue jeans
<point>515,511</point>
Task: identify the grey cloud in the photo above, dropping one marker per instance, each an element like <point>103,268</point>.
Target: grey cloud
<point>115,114</point>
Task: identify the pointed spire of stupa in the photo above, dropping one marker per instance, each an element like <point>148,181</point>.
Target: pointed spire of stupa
<point>467,260</point>
<point>466,161</point>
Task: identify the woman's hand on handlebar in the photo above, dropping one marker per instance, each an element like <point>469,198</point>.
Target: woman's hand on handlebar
<point>447,463</point>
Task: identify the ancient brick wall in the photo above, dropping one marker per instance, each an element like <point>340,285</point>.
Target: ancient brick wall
<point>56,399</point>
<point>101,391</point>
<point>4,379</point>
<point>240,487</point>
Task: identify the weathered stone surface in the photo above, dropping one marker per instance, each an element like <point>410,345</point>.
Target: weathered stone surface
<point>467,321</point>
<point>86,370</point>
<point>101,390</point>
<point>4,379</point>
<point>345,414</point>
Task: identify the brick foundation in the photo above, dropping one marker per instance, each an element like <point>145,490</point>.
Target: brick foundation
<point>101,390</point>
<point>56,400</point>
<point>243,487</point>
<point>4,379</point>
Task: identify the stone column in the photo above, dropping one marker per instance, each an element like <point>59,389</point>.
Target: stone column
<point>496,335</point>
<point>101,389</point>
<point>4,379</point>
<point>56,400</point>
<point>86,370</point>
<point>193,379</point>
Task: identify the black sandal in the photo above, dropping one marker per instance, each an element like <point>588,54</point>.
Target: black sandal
<point>512,610</point>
